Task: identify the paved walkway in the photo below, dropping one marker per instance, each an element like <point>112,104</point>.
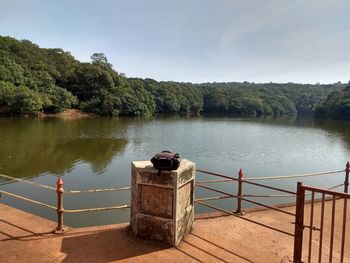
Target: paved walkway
<point>28,238</point>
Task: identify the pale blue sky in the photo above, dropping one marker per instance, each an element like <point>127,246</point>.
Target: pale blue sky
<point>303,41</point>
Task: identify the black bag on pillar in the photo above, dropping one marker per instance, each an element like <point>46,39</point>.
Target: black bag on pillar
<point>166,160</point>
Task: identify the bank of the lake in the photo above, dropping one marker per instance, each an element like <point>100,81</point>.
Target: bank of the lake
<point>97,152</point>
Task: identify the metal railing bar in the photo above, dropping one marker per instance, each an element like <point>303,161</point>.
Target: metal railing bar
<point>248,195</point>
<point>215,181</point>
<point>97,190</point>
<point>343,231</point>
<point>28,199</point>
<point>218,175</point>
<point>311,224</point>
<point>216,190</point>
<point>270,187</point>
<point>332,231</point>
<point>96,209</point>
<point>327,192</point>
<point>213,198</point>
<point>243,218</point>
<point>331,188</point>
<point>291,176</point>
<point>268,206</point>
<point>28,182</point>
<point>247,200</point>
<point>311,228</point>
<point>321,229</point>
<point>247,182</point>
<point>299,223</point>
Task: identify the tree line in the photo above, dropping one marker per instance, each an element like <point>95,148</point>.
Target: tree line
<point>49,80</point>
<point>336,106</point>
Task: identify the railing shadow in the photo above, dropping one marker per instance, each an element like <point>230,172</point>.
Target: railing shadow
<point>222,248</point>
<point>205,249</point>
<point>15,232</point>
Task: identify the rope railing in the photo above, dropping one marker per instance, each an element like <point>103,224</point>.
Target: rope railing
<point>267,196</point>
<point>243,180</point>
<point>96,209</point>
<point>230,179</point>
<point>96,190</point>
<point>61,210</point>
<point>28,199</point>
<point>66,191</point>
<point>240,196</point>
<point>334,187</point>
<point>244,199</point>
<point>215,181</point>
<point>291,176</point>
<point>28,182</point>
<point>59,190</point>
<point>213,198</point>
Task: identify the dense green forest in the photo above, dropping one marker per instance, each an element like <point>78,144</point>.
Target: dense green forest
<point>37,80</point>
<point>336,106</point>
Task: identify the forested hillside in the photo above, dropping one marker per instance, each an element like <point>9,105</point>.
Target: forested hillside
<point>49,80</point>
<point>336,106</point>
<point>264,99</point>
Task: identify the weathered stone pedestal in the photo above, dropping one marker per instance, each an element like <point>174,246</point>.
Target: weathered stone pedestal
<point>162,204</point>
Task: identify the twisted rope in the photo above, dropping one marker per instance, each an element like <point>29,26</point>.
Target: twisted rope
<point>28,182</point>
<point>290,176</point>
<point>28,199</point>
<point>97,190</point>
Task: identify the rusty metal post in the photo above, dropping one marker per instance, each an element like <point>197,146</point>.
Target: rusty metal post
<point>60,227</point>
<point>299,224</point>
<point>240,193</point>
<point>346,182</point>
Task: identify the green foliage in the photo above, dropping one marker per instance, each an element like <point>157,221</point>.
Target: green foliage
<point>264,99</point>
<point>10,70</point>
<point>336,106</point>
<point>7,90</point>
<point>104,103</point>
<point>101,60</point>
<point>57,99</point>
<point>20,100</point>
<point>26,101</point>
<point>34,79</point>
<point>29,77</point>
<point>174,97</point>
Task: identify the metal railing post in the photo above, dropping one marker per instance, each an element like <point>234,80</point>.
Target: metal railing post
<point>346,182</point>
<point>240,193</point>
<point>299,224</point>
<point>60,227</point>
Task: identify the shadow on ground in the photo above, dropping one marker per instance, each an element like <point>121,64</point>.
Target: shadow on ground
<point>106,246</point>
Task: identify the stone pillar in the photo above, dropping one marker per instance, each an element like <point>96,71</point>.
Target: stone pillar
<point>162,206</point>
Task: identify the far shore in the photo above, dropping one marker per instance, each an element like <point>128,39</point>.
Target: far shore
<point>70,114</point>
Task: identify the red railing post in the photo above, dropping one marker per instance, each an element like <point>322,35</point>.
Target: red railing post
<point>346,182</point>
<point>240,193</point>
<point>59,190</point>
<point>299,224</point>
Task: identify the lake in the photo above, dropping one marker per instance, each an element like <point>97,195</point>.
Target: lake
<point>97,152</point>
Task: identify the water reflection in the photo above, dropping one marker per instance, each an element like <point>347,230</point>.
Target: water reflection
<point>30,147</point>
<point>336,128</point>
<point>106,146</point>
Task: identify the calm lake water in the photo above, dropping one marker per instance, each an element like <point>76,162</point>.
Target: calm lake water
<point>96,153</point>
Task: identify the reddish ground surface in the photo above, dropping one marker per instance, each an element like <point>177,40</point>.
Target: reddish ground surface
<point>28,238</point>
